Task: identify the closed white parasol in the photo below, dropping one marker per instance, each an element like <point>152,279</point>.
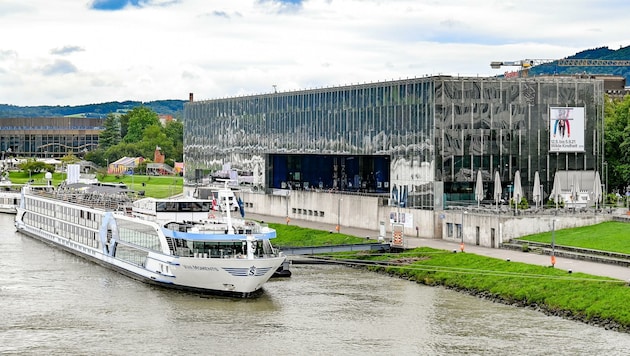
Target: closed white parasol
<point>479,188</point>
<point>498,190</point>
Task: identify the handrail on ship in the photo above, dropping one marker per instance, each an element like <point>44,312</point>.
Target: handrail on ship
<point>95,198</point>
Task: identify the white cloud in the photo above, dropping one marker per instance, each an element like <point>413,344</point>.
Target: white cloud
<point>166,49</point>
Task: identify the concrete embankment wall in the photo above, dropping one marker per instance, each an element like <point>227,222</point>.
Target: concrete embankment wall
<point>490,229</point>
<point>482,227</point>
<point>330,209</point>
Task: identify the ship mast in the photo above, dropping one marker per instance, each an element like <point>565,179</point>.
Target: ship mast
<point>228,212</point>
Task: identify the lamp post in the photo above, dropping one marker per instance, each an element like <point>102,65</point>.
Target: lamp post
<point>288,196</point>
<point>553,242</point>
<point>461,244</point>
<point>10,156</point>
<point>606,181</point>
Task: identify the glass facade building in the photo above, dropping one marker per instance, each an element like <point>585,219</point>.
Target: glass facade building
<point>418,141</point>
<point>49,137</point>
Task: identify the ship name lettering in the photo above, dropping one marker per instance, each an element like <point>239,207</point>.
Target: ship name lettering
<point>200,268</point>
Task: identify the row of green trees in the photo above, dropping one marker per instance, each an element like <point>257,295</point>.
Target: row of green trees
<point>617,141</point>
<point>137,133</point>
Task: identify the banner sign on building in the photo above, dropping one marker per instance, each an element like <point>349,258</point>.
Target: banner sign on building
<point>566,129</point>
<point>405,219</point>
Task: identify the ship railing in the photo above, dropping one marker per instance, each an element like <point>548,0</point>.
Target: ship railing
<point>224,255</point>
<point>108,202</point>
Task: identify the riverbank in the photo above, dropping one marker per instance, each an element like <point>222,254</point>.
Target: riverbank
<point>594,300</point>
<point>592,293</point>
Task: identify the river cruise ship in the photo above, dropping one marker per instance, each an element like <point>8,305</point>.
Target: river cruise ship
<point>9,196</point>
<point>184,243</point>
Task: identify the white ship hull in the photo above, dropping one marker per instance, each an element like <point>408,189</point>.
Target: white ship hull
<point>140,249</point>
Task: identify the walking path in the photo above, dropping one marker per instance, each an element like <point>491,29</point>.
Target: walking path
<point>567,264</point>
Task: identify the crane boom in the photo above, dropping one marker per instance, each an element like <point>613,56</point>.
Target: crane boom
<point>526,64</point>
<point>594,62</point>
<point>583,62</point>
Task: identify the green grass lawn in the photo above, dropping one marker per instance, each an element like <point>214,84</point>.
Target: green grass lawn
<point>154,186</point>
<point>610,236</point>
<point>294,236</point>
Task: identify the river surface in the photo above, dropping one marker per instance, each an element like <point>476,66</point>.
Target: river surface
<point>53,303</point>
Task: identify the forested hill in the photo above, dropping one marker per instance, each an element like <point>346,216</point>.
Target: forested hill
<point>596,53</point>
<point>162,107</point>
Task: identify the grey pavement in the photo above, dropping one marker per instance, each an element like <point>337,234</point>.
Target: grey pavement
<point>567,264</point>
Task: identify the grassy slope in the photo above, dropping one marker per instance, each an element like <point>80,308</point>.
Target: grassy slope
<point>155,186</point>
<point>608,236</point>
<point>294,236</point>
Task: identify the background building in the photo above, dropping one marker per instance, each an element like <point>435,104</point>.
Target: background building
<point>414,143</point>
<point>409,138</point>
<point>48,137</point>
<point>124,165</point>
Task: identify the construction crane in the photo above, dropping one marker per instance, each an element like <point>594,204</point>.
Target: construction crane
<point>526,64</point>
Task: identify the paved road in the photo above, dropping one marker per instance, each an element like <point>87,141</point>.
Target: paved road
<point>567,264</point>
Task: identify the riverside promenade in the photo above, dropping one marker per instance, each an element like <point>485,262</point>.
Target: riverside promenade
<point>568,264</point>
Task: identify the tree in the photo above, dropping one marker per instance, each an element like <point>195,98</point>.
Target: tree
<point>111,135</point>
<point>97,157</point>
<point>69,159</point>
<point>154,136</point>
<point>139,119</point>
<point>35,166</point>
<point>617,141</point>
<point>175,132</point>
<point>138,133</point>
<point>122,149</point>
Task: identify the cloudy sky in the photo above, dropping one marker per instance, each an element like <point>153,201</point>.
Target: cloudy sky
<point>73,52</point>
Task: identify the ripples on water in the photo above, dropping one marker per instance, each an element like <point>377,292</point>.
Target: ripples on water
<point>53,303</point>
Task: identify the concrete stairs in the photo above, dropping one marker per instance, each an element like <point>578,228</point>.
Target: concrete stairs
<point>597,256</point>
